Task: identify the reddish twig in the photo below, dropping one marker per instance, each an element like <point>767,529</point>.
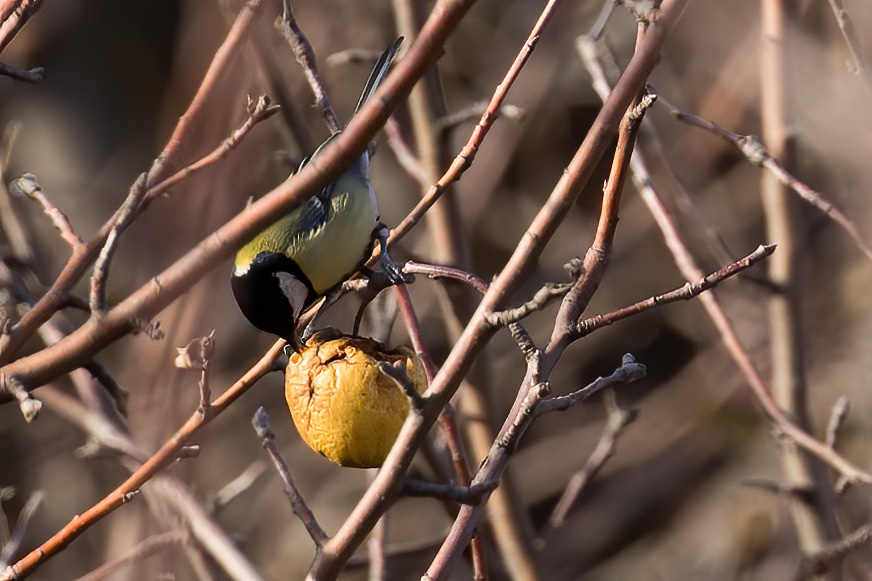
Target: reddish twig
<point>467,155</point>
<point>143,549</point>
<point>386,486</point>
<point>685,293</point>
<point>86,253</point>
<point>124,493</point>
<point>756,153</point>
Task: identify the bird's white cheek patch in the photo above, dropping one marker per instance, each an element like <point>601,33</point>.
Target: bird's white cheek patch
<point>295,291</point>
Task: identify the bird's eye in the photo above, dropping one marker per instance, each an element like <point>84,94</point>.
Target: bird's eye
<point>295,291</point>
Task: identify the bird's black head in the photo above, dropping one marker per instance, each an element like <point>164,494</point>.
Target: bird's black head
<point>272,293</point>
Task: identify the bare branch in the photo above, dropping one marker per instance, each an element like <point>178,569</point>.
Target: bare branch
<point>306,57</point>
<point>686,292</point>
<point>27,185</point>
<point>260,421</point>
<point>756,153</point>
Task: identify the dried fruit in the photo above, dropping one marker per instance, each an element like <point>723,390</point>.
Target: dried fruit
<point>345,406</point>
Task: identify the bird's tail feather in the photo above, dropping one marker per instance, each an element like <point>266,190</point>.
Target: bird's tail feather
<point>379,71</point>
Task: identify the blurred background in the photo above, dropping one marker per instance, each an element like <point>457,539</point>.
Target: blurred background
<point>673,502</point>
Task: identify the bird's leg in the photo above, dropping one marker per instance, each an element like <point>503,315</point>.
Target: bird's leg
<point>392,270</point>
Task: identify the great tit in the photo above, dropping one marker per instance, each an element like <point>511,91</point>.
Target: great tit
<point>298,259</point>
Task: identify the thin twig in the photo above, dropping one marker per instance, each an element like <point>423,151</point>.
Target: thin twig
<point>122,220</point>
<point>86,254</point>
<point>404,154</point>
<point>822,561</point>
<point>467,155</point>
<point>617,420</point>
<point>756,153</point>
<point>27,185</point>
<point>849,32</point>
<point>14,543</point>
<point>686,292</point>
<point>258,110</point>
<point>124,493</point>
<point>143,549</point>
<point>260,421</point>
<point>451,491</point>
<point>306,57</point>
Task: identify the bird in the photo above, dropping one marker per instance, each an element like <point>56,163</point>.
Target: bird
<point>289,266</point>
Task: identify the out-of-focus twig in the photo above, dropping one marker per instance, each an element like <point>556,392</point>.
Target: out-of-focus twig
<point>143,549</point>
<point>846,25</point>
<point>159,460</point>
<point>814,522</point>
<point>758,154</point>
<point>84,256</point>
<point>837,420</point>
<point>14,543</point>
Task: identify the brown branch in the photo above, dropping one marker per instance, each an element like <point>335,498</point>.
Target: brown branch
<point>84,256</point>
<point>258,110</point>
<point>27,186</point>
<point>756,153</point>
<point>174,281</point>
<point>306,57</point>
<point>260,421</point>
<point>14,543</point>
<point>823,560</point>
<point>687,265</point>
<point>167,453</point>
<point>467,155</point>
<point>685,293</point>
<point>386,486</point>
